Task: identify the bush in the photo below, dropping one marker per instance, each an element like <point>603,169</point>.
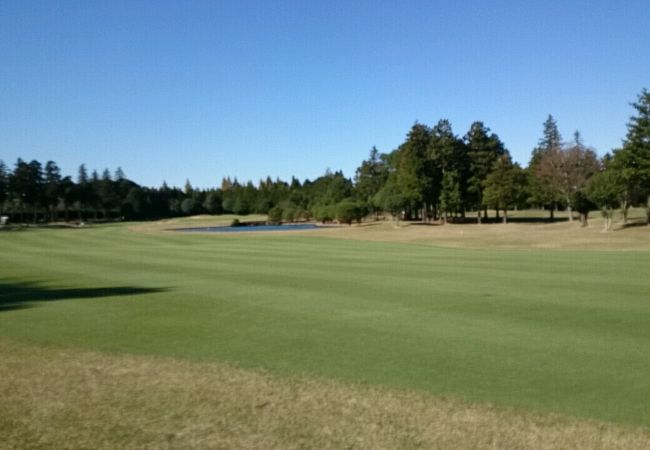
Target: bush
<point>289,213</point>
<point>323,214</point>
<point>349,211</point>
<point>301,214</point>
<point>189,206</point>
<point>236,223</point>
<point>275,215</point>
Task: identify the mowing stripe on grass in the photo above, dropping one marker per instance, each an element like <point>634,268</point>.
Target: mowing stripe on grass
<point>567,332</point>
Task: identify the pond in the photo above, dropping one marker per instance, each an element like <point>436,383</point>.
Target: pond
<point>254,228</point>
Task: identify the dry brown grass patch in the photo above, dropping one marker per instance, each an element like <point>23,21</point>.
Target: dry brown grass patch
<point>53,398</point>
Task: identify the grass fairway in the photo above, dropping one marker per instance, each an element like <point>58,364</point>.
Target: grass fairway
<point>543,331</point>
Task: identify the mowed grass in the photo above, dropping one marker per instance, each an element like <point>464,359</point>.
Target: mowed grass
<point>536,330</point>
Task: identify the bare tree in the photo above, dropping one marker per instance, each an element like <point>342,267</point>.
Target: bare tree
<point>565,170</point>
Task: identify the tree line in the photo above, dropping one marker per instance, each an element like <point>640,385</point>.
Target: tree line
<point>434,175</point>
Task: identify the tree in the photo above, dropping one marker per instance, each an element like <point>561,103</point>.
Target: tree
<point>289,211</point>
<point>411,174</point>
<point>370,177</point>
<point>584,206</point>
<point>134,203</point>
<point>275,215</point>
<point>212,203</point>
<point>349,211</point>
<point>633,160</point>
<point>447,153</point>
<point>483,149</point>
<point>52,192</point>
<point>107,196</point>
<point>390,198</point>
<point>563,171</point>
<point>68,192</point>
<point>502,186</point>
<point>324,213</point>
<point>83,190</point>
<point>26,185</point>
<point>604,189</point>
<point>119,174</point>
<point>450,197</point>
<point>188,189</point>
<point>4,185</point>
<point>540,193</point>
<point>189,206</point>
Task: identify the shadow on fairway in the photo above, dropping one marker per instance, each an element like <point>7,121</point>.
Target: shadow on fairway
<point>489,220</point>
<point>15,295</point>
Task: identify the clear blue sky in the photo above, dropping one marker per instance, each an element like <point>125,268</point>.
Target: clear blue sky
<point>200,90</point>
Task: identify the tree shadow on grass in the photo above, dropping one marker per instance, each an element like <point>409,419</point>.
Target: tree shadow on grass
<point>488,221</point>
<point>634,224</point>
<point>19,295</point>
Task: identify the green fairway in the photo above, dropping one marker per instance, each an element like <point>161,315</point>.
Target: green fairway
<point>560,331</point>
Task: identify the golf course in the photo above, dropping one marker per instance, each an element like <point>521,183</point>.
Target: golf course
<point>150,334</point>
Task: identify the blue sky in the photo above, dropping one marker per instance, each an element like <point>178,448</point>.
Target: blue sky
<point>200,90</point>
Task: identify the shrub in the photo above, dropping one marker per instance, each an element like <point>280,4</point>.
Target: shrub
<point>275,215</point>
<point>349,211</point>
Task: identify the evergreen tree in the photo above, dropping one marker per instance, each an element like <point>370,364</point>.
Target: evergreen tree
<point>119,174</point>
<point>369,179</point>
<point>188,189</point>
<point>450,197</point>
<point>633,160</point>
<point>391,199</point>
<point>502,186</point>
<point>447,153</point>
<point>26,186</point>
<point>212,203</point>
<point>83,190</point>
<point>540,193</point>
<point>106,193</point>
<point>68,192</point>
<point>52,192</point>
<point>4,186</point>
<point>412,177</point>
<point>483,149</point>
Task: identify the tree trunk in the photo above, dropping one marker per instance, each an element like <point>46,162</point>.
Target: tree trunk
<point>624,209</point>
<point>478,216</point>
<point>584,218</point>
<point>607,215</point>
<point>505,216</point>
<point>444,218</point>
<point>497,212</point>
<point>552,212</point>
<point>485,214</point>
<point>570,211</point>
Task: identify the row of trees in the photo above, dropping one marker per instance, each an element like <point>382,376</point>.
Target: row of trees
<point>433,175</point>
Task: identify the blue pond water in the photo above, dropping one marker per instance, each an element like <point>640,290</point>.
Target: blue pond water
<point>290,227</point>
